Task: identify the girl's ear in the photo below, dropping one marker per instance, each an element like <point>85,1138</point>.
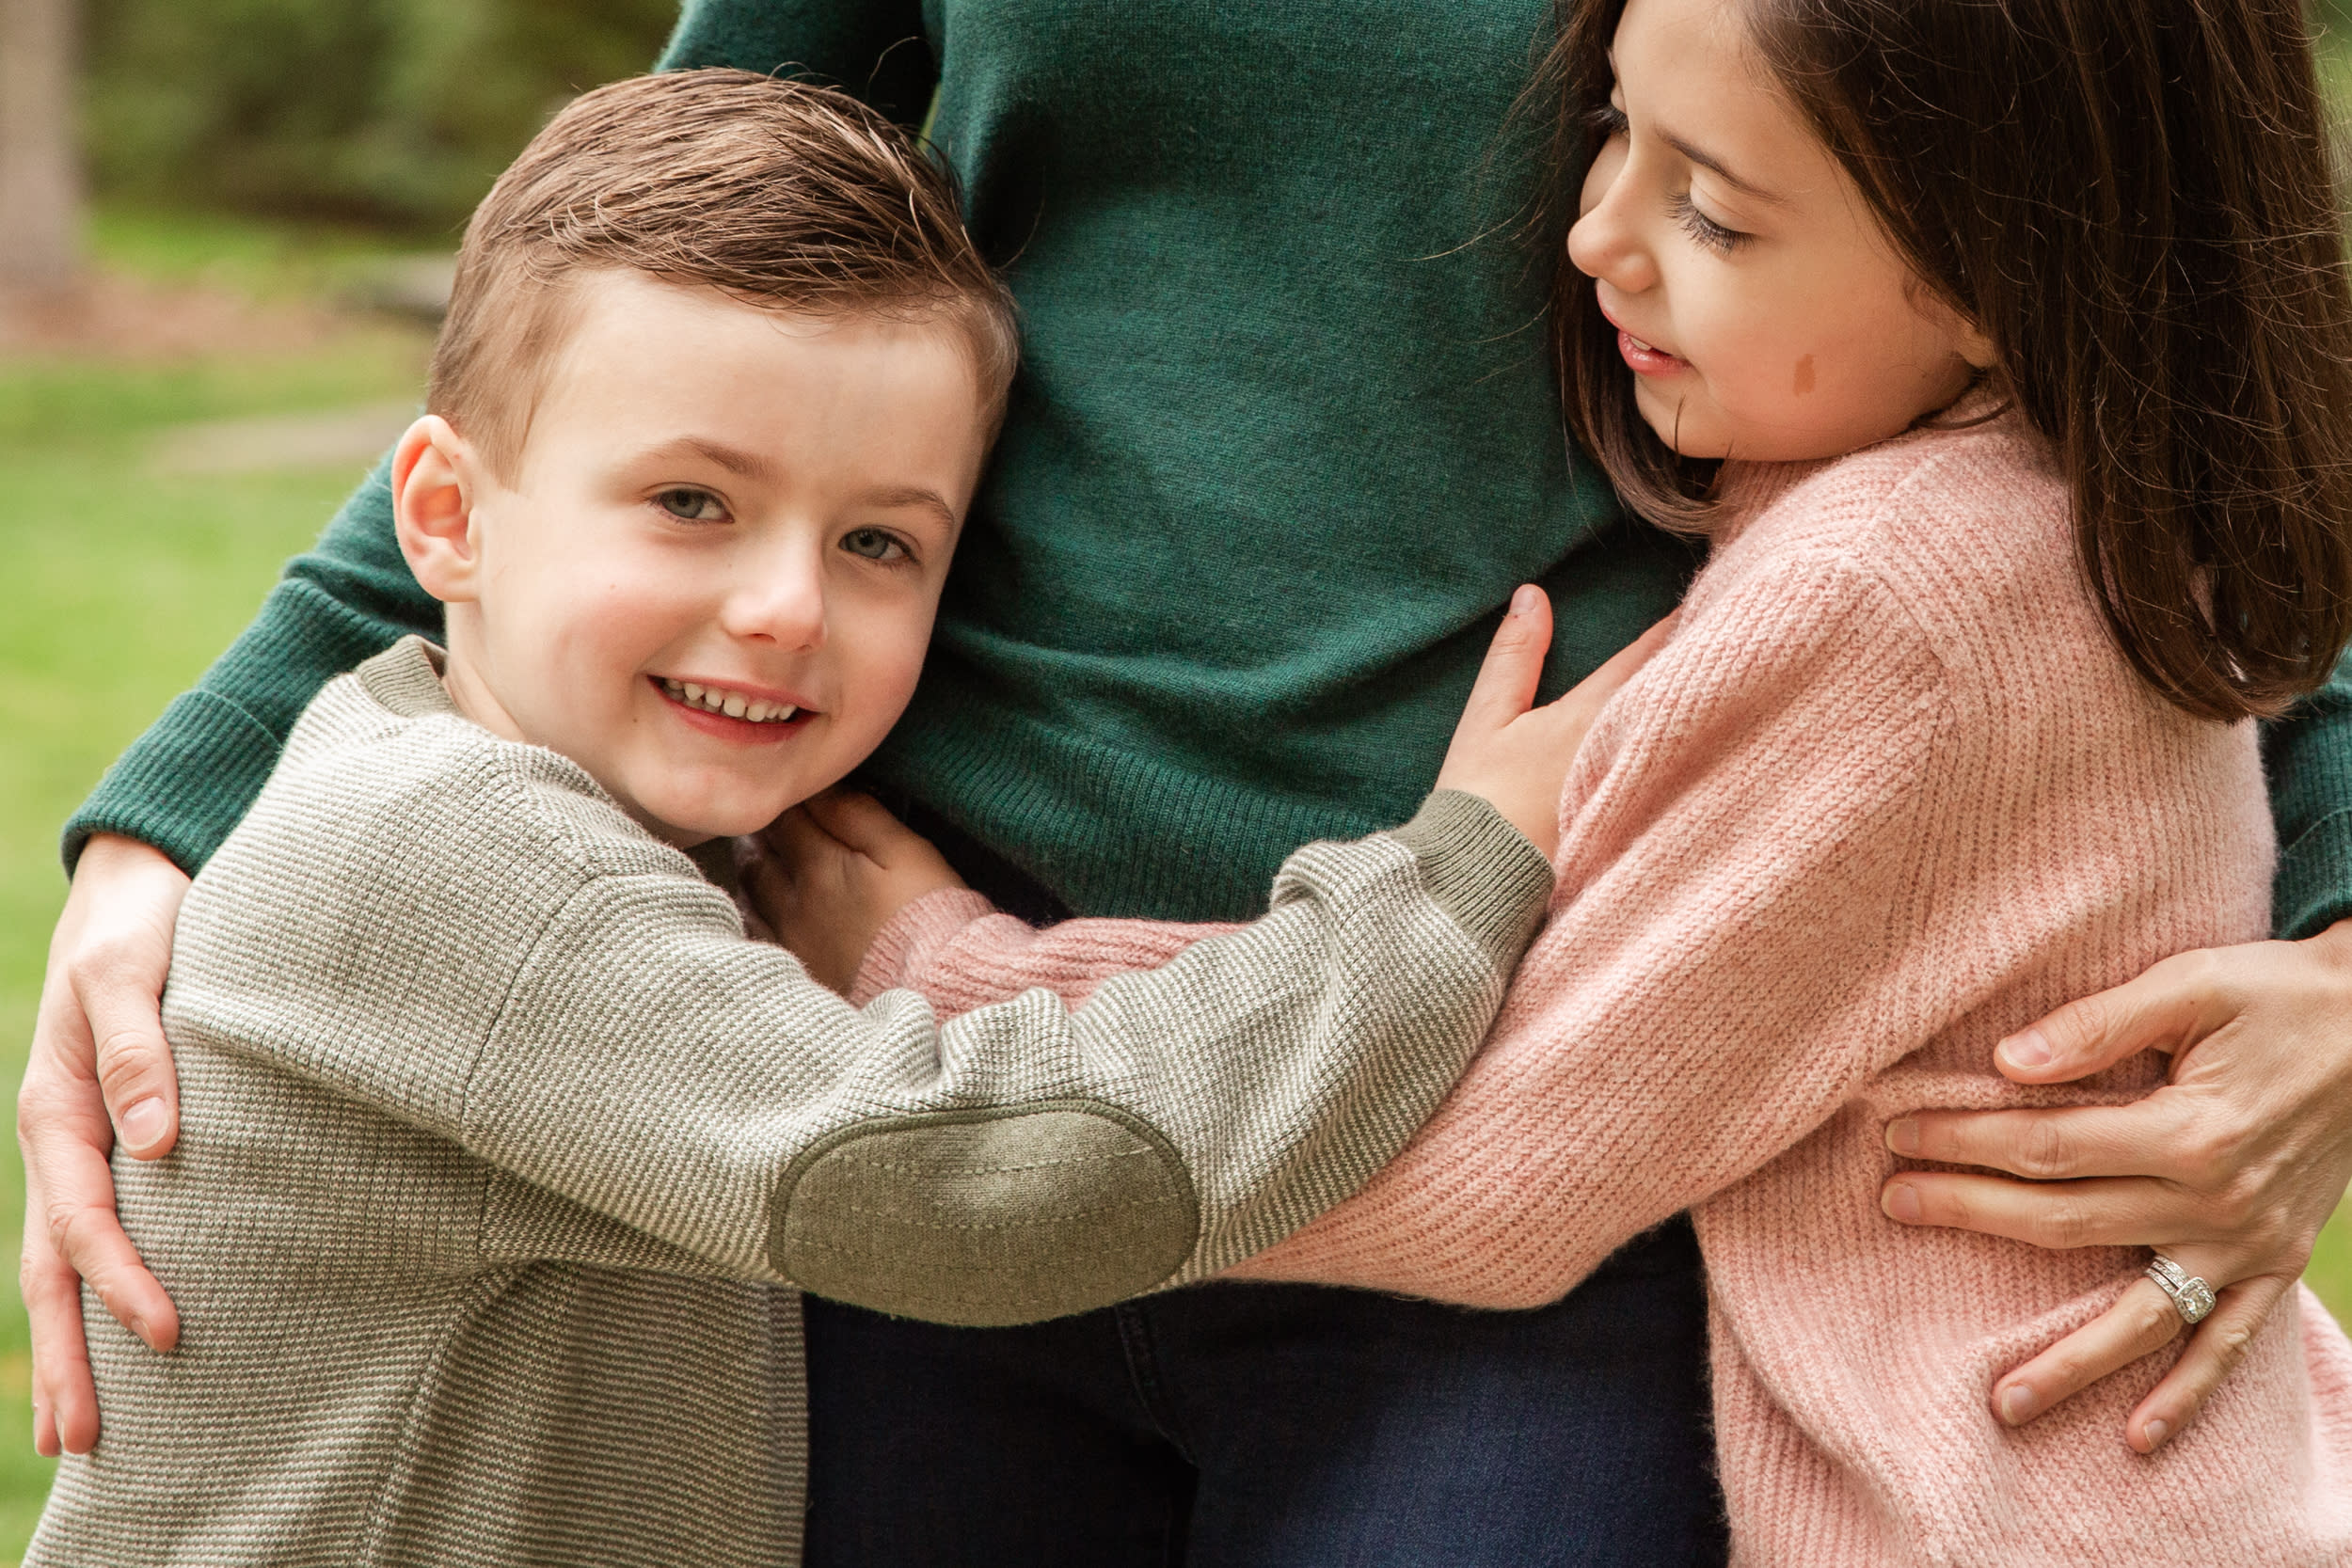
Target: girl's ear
<point>1976,348</point>
<point>433,499</point>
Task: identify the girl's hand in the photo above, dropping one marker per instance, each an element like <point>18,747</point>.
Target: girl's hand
<point>2230,1169</point>
<point>1518,757</point>
<point>831,872</point>
<point>98,1047</point>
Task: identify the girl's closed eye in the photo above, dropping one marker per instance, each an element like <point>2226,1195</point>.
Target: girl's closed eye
<point>691,505</point>
<point>1703,229</point>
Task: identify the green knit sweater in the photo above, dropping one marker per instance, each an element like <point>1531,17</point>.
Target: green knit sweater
<point>1284,441</point>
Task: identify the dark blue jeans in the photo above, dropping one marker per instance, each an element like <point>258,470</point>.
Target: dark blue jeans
<point>1256,1426</point>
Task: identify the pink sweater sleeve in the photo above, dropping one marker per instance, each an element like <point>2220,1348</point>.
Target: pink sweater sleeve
<point>1729,954</point>
<point>959,953</point>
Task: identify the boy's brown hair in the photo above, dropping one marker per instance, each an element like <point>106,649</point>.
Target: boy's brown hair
<point>780,195</point>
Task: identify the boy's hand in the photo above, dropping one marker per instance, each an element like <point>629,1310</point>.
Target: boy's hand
<point>1517,756</point>
<point>834,870</point>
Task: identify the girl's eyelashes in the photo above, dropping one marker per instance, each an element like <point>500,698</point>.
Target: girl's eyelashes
<point>1607,121</point>
<point>1702,228</point>
<point>877,545</point>
<point>691,505</point>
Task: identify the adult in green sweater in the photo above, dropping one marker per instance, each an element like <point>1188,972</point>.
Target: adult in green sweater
<point>1284,440</point>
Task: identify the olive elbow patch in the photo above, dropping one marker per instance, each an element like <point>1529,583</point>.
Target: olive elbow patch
<point>985,1217</point>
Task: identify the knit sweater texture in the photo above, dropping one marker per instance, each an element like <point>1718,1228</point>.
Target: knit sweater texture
<point>500,1143</point>
<point>1889,794</point>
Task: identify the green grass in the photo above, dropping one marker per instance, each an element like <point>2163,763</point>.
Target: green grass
<point>120,585</point>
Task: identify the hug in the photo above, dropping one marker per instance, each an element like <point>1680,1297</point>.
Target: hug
<point>558,1124</point>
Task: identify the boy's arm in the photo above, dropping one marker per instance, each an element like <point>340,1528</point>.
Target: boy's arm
<point>191,778</point>
<point>1023,1162</point>
<point>875,49</point>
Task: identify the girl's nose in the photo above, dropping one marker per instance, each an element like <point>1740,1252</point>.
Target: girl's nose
<point>779,602</point>
<point>1604,244</point>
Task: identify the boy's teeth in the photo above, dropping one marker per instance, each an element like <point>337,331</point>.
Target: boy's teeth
<point>711,699</point>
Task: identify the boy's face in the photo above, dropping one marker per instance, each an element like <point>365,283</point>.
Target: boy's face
<point>711,578</point>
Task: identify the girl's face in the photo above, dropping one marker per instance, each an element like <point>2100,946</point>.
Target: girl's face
<point>1761,306</point>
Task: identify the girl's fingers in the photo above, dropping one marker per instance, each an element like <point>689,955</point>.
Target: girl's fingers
<point>1594,689</point>
<point>1515,664</point>
<point>2214,1352</point>
<point>855,818</point>
<point>2141,1321</point>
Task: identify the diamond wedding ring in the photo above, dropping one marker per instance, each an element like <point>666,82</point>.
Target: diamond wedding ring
<point>2191,1296</point>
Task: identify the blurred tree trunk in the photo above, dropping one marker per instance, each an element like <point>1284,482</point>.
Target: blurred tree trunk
<point>40,186</point>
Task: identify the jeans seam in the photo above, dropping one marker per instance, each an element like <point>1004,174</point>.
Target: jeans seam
<point>1141,1350</point>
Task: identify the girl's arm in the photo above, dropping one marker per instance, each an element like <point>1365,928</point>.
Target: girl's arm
<point>1742,936</point>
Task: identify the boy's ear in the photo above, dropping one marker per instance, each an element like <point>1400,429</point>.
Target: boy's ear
<point>433,499</point>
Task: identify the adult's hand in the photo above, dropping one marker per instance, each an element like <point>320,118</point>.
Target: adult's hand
<point>2231,1168</point>
<point>98,1051</point>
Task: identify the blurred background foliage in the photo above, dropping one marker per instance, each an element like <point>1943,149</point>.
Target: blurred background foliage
<point>191,416</point>
<point>391,113</point>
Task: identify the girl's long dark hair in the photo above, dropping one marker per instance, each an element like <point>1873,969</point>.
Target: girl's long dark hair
<point>2132,199</point>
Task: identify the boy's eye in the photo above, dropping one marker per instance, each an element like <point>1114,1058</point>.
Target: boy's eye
<point>1703,229</point>
<point>691,506</point>
<point>874,545</point>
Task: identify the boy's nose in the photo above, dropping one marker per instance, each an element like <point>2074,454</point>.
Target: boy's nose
<point>782,604</point>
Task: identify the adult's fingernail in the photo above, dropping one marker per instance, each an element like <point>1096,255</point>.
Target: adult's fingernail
<point>2016,1405</point>
<point>146,1335</point>
<point>1903,1136</point>
<point>1523,600</point>
<point>143,1123</point>
<point>2156,1432</point>
<point>1901,1202</point>
<point>2027,1050</point>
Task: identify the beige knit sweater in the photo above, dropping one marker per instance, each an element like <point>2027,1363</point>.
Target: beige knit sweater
<point>493,1121</point>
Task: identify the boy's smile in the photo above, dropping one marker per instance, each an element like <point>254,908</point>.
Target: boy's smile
<point>711,579</point>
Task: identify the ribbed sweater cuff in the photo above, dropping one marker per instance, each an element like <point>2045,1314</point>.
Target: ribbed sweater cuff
<point>1481,870</point>
<point>909,936</point>
<point>2313,889</point>
<point>184,784</point>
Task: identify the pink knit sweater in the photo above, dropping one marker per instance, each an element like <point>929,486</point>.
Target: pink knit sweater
<point>1889,794</point>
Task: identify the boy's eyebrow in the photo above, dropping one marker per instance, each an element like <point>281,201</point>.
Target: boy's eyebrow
<point>735,460</point>
<point>1716,166</point>
<point>912,495</point>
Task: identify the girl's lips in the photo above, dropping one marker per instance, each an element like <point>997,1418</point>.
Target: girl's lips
<point>1646,361</point>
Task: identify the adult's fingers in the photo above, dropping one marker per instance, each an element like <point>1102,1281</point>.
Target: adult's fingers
<point>65,1397</point>
<point>2213,1351</point>
<point>2055,1144</point>
<point>1514,665</point>
<point>2166,1008</point>
<point>124,1003</point>
<point>2110,1212</point>
<point>2141,1321</point>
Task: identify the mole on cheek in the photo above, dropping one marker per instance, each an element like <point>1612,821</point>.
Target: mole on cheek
<point>1805,375</point>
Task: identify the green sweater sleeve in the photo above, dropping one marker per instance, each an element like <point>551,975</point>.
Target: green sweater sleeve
<point>2308,757</point>
<point>190,779</point>
<point>875,49</point>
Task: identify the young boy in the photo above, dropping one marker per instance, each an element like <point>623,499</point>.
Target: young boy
<point>715,390</point>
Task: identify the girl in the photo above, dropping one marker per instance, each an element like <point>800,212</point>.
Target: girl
<point>2001,353</point>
